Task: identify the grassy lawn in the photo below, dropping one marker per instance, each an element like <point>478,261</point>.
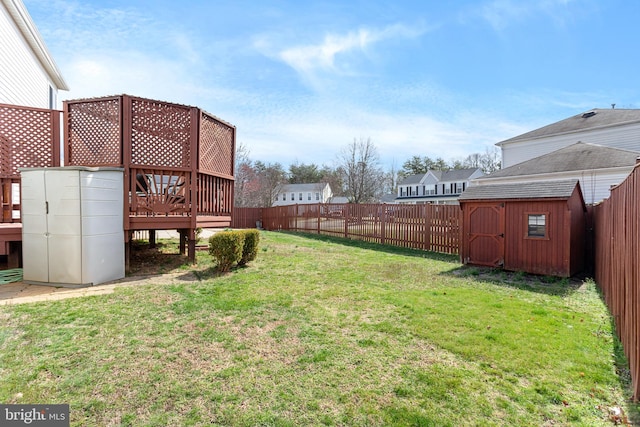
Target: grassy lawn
<point>319,331</point>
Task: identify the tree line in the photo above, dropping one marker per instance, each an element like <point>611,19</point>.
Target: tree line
<point>356,175</point>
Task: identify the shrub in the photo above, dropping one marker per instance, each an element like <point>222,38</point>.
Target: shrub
<point>226,247</point>
<point>250,249</point>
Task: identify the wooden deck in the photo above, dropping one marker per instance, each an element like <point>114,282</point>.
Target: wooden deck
<point>11,243</point>
<point>178,161</point>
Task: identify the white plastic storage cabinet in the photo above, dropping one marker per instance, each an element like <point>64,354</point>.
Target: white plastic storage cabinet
<point>72,228</point>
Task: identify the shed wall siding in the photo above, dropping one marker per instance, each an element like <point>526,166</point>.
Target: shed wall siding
<point>539,256</point>
<point>626,137</point>
<point>23,81</point>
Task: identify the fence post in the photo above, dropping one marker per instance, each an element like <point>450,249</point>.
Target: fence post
<point>318,218</point>
<point>346,212</point>
<point>382,209</point>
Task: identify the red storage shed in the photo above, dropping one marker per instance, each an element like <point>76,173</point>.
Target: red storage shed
<point>537,228</point>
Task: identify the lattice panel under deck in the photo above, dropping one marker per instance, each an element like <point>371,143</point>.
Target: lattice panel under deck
<point>161,134</point>
<point>26,139</point>
<point>94,133</point>
<point>216,146</point>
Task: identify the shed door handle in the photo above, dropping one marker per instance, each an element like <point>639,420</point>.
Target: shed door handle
<point>46,206</point>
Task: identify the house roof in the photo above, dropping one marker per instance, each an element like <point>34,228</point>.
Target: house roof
<point>289,188</point>
<point>450,175</point>
<point>592,119</point>
<point>32,36</point>
<point>457,174</point>
<point>412,179</point>
<point>576,157</point>
<point>531,190</point>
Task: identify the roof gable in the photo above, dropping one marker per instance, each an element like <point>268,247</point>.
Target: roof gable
<point>592,119</point>
<point>576,157</point>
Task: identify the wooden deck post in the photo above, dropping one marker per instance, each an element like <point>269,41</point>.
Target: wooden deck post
<point>192,246</point>
<point>182,239</point>
<point>152,239</point>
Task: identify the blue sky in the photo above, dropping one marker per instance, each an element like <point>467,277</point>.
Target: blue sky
<point>301,79</point>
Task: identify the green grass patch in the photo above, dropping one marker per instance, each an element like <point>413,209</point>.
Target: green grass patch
<point>322,331</point>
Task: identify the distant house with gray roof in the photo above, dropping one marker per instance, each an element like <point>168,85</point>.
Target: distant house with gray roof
<point>615,128</point>
<point>598,147</point>
<point>435,186</point>
<point>303,194</point>
<point>596,167</point>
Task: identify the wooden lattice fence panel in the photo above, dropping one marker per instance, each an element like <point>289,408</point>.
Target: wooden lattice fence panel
<point>161,134</point>
<point>28,139</point>
<point>216,146</point>
<point>94,133</point>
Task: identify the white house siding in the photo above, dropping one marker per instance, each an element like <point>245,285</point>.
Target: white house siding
<point>595,184</point>
<point>284,198</point>
<point>23,80</point>
<point>625,137</point>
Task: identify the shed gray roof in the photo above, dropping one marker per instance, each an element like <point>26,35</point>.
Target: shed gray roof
<point>576,157</point>
<point>583,121</point>
<point>530,190</point>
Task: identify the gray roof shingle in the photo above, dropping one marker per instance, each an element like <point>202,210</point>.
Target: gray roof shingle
<point>576,157</point>
<point>452,175</point>
<point>583,121</point>
<point>531,190</point>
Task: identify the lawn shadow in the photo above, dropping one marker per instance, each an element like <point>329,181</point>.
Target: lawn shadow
<point>397,250</point>
<point>549,285</point>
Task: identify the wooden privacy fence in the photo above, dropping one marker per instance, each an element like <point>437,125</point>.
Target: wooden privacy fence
<point>617,266</point>
<point>426,227</point>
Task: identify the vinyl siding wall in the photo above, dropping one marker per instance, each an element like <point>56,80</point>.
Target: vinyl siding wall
<point>595,185</point>
<point>23,80</point>
<point>624,137</point>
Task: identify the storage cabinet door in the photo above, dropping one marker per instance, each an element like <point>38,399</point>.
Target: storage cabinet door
<point>35,258</point>
<point>64,223</point>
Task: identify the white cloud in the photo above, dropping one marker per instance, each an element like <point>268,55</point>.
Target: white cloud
<point>333,53</point>
<point>501,14</point>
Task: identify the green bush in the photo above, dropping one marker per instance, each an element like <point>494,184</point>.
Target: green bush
<point>250,249</point>
<point>226,247</point>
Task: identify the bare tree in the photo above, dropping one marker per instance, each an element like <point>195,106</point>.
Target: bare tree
<point>243,177</point>
<point>362,175</point>
<point>489,161</point>
<point>270,177</point>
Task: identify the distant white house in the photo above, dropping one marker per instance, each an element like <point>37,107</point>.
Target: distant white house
<point>28,74</point>
<point>436,187</point>
<point>303,194</point>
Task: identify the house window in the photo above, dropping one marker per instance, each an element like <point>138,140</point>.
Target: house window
<point>293,196</point>
<point>308,196</point>
<point>317,196</point>
<point>459,188</point>
<point>299,196</point>
<point>276,197</point>
<point>536,225</point>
